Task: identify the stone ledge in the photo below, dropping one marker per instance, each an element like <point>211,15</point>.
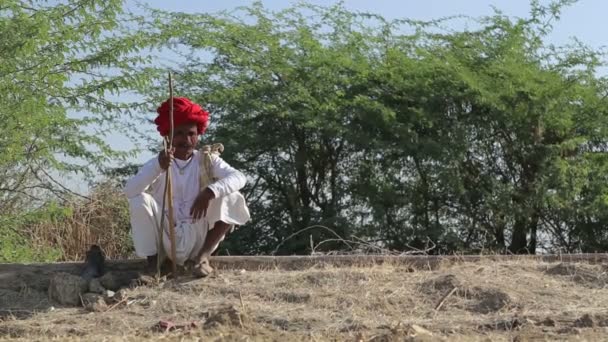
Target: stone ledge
<point>295,262</point>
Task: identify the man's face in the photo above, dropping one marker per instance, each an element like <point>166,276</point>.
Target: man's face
<point>185,137</point>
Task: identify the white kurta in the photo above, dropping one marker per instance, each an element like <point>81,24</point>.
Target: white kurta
<point>145,193</point>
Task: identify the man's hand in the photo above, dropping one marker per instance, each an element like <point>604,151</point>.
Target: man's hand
<point>201,203</point>
<point>166,159</point>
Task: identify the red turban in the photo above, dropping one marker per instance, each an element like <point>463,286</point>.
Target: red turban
<point>184,111</point>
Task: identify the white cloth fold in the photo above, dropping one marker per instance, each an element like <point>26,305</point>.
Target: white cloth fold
<point>145,192</point>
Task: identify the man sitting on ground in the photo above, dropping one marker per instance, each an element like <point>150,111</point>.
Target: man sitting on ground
<point>203,213</point>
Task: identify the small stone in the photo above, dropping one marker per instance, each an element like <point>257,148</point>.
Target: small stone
<point>548,322</point>
<point>109,282</point>
<point>120,295</point>
<point>569,330</point>
<point>226,316</point>
<point>144,280</point>
<point>147,280</point>
<point>418,330</point>
<point>66,288</point>
<point>96,287</point>
<point>93,302</point>
<point>116,280</point>
<point>109,294</point>
<point>584,322</point>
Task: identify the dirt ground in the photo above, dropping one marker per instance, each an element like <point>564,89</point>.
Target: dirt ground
<point>483,301</point>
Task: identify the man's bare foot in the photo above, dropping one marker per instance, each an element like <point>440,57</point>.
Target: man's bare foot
<point>202,269</point>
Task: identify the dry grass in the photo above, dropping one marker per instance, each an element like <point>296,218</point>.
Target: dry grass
<point>102,219</point>
<point>507,301</point>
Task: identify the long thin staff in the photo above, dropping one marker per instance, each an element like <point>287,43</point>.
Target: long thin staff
<point>168,193</point>
<point>169,187</point>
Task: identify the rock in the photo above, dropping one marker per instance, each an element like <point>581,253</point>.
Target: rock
<point>116,280</point>
<point>291,297</point>
<point>519,338</point>
<point>143,280</point>
<point>109,294</point>
<point>96,287</point>
<point>406,333</point>
<point>570,331</point>
<point>417,330</point>
<point>584,322</point>
<point>94,263</point>
<point>109,281</point>
<point>548,322</point>
<point>443,284</point>
<point>353,326</point>
<point>225,316</point>
<point>66,288</point>
<point>506,324</point>
<point>601,320</point>
<point>94,302</point>
<point>489,300</point>
<point>120,295</point>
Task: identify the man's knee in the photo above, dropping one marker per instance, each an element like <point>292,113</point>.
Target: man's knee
<point>142,203</point>
<point>143,210</point>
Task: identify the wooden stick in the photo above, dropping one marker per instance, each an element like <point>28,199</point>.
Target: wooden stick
<point>169,187</point>
<point>442,301</point>
<point>161,232</point>
<point>117,304</point>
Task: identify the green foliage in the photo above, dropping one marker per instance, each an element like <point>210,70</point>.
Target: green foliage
<point>451,140</point>
<point>64,65</point>
<point>480,139</point>
<point>60,65</point>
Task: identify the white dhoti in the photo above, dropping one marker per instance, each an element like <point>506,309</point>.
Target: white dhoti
<point>145,192</point>
<point>189,236</point>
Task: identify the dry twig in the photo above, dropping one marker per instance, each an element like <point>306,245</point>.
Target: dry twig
<point>442,301</point>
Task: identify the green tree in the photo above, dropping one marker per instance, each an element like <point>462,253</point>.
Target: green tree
<point>61,63</point>
<point>283,93</point>
<point>480,139</point>
<point>506,134</point>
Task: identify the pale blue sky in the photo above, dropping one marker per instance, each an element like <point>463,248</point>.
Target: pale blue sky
<point>585,20</point>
